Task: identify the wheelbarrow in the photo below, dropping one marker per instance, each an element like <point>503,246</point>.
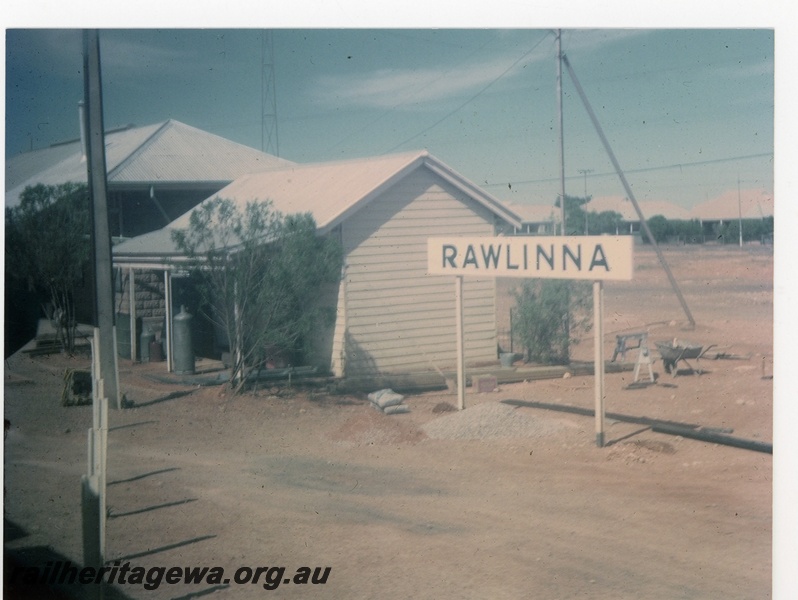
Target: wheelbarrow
<point>673,353</point>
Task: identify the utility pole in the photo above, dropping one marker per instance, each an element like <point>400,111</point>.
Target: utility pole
<point>105,385</point>
<point>585,172</point>
<point>562,140</point>
<point>740,209</point>
<point>101,236</point>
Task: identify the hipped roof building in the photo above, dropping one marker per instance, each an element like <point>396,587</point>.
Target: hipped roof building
<point>155,173</point>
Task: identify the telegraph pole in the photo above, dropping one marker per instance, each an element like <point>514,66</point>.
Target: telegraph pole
<point>585,172</point>
<point>105,385</point>
<point>562,140</point>
<point>740,209</point>
<point>101,237</point>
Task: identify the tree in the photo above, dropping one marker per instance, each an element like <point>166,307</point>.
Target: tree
<point>660,228</point>
<point>259,274</point>
<point>48,245</point>
<point>687,232</point>
<point>547,313</point>
<point>575,214</point>
<point>607,221</point>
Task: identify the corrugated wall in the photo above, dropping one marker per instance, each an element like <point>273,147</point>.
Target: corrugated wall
<point>398,318</point>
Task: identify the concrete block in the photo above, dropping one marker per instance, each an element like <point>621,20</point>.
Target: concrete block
<point>484,383</point>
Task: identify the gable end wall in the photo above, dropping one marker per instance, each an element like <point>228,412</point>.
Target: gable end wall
<point>398,318</point>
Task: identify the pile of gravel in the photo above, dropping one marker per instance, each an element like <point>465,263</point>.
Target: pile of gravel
<point>490,420</point>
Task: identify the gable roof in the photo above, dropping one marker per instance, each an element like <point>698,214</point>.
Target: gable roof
<point>330,191</point>
<point>166,153</point>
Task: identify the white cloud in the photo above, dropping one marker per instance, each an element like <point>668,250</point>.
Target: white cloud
<point>762,68</point>
<point>411,88</point>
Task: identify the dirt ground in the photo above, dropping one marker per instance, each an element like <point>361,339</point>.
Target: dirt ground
<point>292,478</point>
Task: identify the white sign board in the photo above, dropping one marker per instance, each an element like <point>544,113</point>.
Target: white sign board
<point>597,258</point>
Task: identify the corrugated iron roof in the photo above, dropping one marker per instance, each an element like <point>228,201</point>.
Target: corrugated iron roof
<point>330,191</point>
<point>179,153</point>
<point>333,190</point>
<point>23,166</point>
<point>168,152</point>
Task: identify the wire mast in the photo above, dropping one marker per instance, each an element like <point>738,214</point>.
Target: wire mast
<point>269,140</point>
<point>627,187</point>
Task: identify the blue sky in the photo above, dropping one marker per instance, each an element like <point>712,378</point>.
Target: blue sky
<point>687,111</point>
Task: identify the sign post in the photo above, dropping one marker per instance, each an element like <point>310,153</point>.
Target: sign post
<point>598,358</point>
<point>458,308</point>
<point>591,258</point>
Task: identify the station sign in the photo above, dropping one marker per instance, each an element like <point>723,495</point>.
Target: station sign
<point>596,258</point>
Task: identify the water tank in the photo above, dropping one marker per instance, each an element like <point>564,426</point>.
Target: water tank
<point>182,348</point>
<point>147,338</point>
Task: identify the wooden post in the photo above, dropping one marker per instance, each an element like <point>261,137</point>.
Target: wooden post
<point>93,485</point>
<point>458,307</point>
<point>598,353</point>
<point>134,342</point>
<point>238,344</point>
<point>561,130</point>
<point>91,530</point>
<point>167,281</point>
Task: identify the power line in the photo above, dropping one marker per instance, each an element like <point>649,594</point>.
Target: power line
<point>395,106</point>
<point>640,170</point>
<point>471,99</point>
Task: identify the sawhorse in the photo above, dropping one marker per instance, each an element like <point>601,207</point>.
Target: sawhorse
<point>643,355</point>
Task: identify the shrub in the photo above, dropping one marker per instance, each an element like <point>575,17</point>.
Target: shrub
<point>259,273</point>
<point>548,313</point>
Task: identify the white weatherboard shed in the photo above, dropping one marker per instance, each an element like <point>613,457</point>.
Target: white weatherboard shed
<point>392,317</point>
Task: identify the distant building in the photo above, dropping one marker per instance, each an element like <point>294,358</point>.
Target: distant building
<point>155,173</point>
<point>733,205</point>
<point>536,219</point>
<point>630,220</point>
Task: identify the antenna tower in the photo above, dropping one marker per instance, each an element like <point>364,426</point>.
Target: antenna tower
<point>269,141</point>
